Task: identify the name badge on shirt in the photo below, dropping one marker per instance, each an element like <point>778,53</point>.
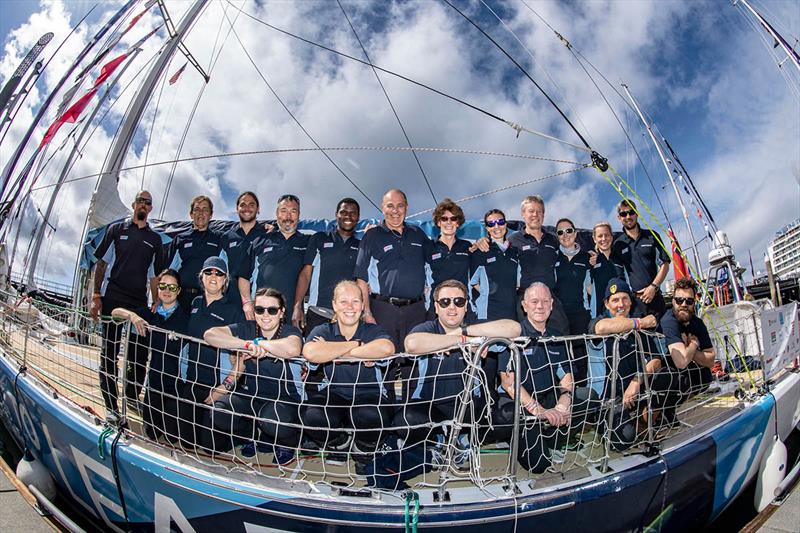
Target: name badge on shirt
<point>647,246</point>
<point>552,352</point>
<point>550,246</point>
<point>298,248</point>
<point>187,245</point>
<point>416,244</point>
<point>123,237</point>
<point>212,244</point>
<point>491,260</point>
<point>354,247</point>
<point>526,247</point>
<point>388,247</point>
<point>217,317</point>
<point>148,244</point>
<point>327,245</point>
<point>436,256</point>
<point>579,264</point>
<point>462,253</point>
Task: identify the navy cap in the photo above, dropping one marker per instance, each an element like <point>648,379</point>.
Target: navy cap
<point>617,285</point>
<point>215,262</point>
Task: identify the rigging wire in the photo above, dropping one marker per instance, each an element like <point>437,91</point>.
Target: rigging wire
<point>152,126</point>
<point>522,69</point>
<point>409,80</point>
<point>389,100</point>
<point>328,149</point>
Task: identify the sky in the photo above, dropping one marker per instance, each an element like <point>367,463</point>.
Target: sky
<point>698,69</point>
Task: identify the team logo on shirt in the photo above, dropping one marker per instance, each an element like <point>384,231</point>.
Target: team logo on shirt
<point>187,245</point>
<point>327,245</point>
<point>268,249</point>
<point>625,251</point>
<point>526,247</point>
<point>436,256</point>
<point>388,247</point>
<point>233,244</point>
<point>491,260</point>
<point>123,237</point>
<point>528,351</point>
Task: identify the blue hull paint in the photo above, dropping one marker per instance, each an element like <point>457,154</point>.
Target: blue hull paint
<point>159,492</point>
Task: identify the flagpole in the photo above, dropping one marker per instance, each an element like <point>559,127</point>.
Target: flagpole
<point>661,155</point>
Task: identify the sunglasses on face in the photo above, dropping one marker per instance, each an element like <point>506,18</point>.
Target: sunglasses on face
<point>493,223</point>
<point>171,287</point>
<point>624,214</point>
<point>145,201</point>
<point>458,301</point>
<point>565,231</point>
<point>683,301</point>
<point>448,219</point>
<point>272,310</point>
<point>214,272</point>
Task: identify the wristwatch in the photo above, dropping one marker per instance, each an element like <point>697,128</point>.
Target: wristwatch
<point>229,384</point>
<point>464,330</point>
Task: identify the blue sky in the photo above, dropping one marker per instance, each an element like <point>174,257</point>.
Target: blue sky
<point>697,68</point>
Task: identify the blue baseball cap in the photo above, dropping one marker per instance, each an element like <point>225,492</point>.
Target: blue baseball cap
<point>215,262</point>
<point>617,285</point>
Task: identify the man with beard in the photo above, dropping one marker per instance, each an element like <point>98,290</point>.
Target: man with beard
<point>188,250</point>
<point>330,258</point>
<point>236,245</point>
<point>128,257</point>
<point>639,251</point>
<point>276,258</point>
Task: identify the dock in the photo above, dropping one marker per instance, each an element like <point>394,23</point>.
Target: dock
<point>18,508</point>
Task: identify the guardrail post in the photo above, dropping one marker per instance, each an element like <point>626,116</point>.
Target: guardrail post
<point>124,396</point>
<point>27,333</point>
<point>612,378</point>
<point>514,444</point>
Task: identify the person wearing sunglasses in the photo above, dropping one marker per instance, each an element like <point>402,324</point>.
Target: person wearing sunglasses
<point>276,258</point>
<point>348,349</point>
<point>160,405</point>
<point>604,265</point>
<point>127,258</point>
<point>449,257</point>
<point>574,290</point>
<point>236,244</point>
<point>189,249</point>
<point>642,254</point>
<point>209,374</point>
<point>496,272</point>
<point>640,359</point>
<point>272,389</point>
<point>438,380</point>
<point>330,258</point>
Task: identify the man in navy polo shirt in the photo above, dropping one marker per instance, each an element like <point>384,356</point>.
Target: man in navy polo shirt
<point>439,379</point>
<point>330,258</point>
<point>188,250</point>
<point>639,251</point>
<point>545,399</point>
<point>236,244</point>
<point>128,258</point>
<point>276,258</point>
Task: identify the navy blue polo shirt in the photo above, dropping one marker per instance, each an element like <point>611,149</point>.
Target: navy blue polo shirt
<point>164,368</point>
<point>632,357</point>
<point>606,269</point>
<point>673,332</point>
<point>333,259</point>
<point>540,363</point>
<point>537,259</point>
<point>133,256</point>
<point>497,272</point>
<point>189,250</point>
<point>449,263</point>
<point>394,263</point>
<point>353,380</point>
<point>641,257</point>
<point>276,261</point>
<point>206,364</point>
<point>439,377</point>
<point>270,378</point>
<point>236,244</point>
<point>572,279</point>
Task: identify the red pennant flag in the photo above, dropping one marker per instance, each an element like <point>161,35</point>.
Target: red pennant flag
<point>177,75</point>
<point>678,262</point>
<point>70,115</point>
<point>108,69</point>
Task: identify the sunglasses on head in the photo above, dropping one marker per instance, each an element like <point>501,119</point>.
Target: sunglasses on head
<point>171,287</point>
<point>448,219</point>
<point>565,231</point>
<point>145,201</point>
<point>458,301</point>
<point>629,213</point>
<point>214,272</point>
<point>683,301</point>
<point>272,310</point>
<point>493,223</point>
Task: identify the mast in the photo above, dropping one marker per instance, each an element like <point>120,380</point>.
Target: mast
<point>790,53</point>
<point>663,158</point>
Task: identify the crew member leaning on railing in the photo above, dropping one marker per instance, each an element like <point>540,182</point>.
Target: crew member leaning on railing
<point>160,407</point>
<point>637,363</point>
<point>353,393</point>
<point>209,373</point>
<point>545,400</point>
<point>272,387</point>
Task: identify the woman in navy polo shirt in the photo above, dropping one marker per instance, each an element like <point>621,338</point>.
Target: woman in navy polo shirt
<point>210,374</point>
<point>450,257</point>
<point>604,266</point>
<point>353,393</point>
<point>496,272</point>
<point>272,386</point>
<point>160,408</point>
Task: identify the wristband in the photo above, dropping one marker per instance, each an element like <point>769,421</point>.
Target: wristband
<point>255,341</point>
<point>248,345</point>
<point>247,302</point>
<point>463,339</point>
<point>654,285</point>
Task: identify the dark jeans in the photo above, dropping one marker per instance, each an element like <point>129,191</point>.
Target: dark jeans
<point>578,320</point>
<point>136,369</point>
<point>537,438</point>
<point>197,419</point>
<point>398,321</point>
<point>327,414</point>
<point>237,412</point>
<point>160,412</point>
<point>421,413</point>
<point>112,333</point>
